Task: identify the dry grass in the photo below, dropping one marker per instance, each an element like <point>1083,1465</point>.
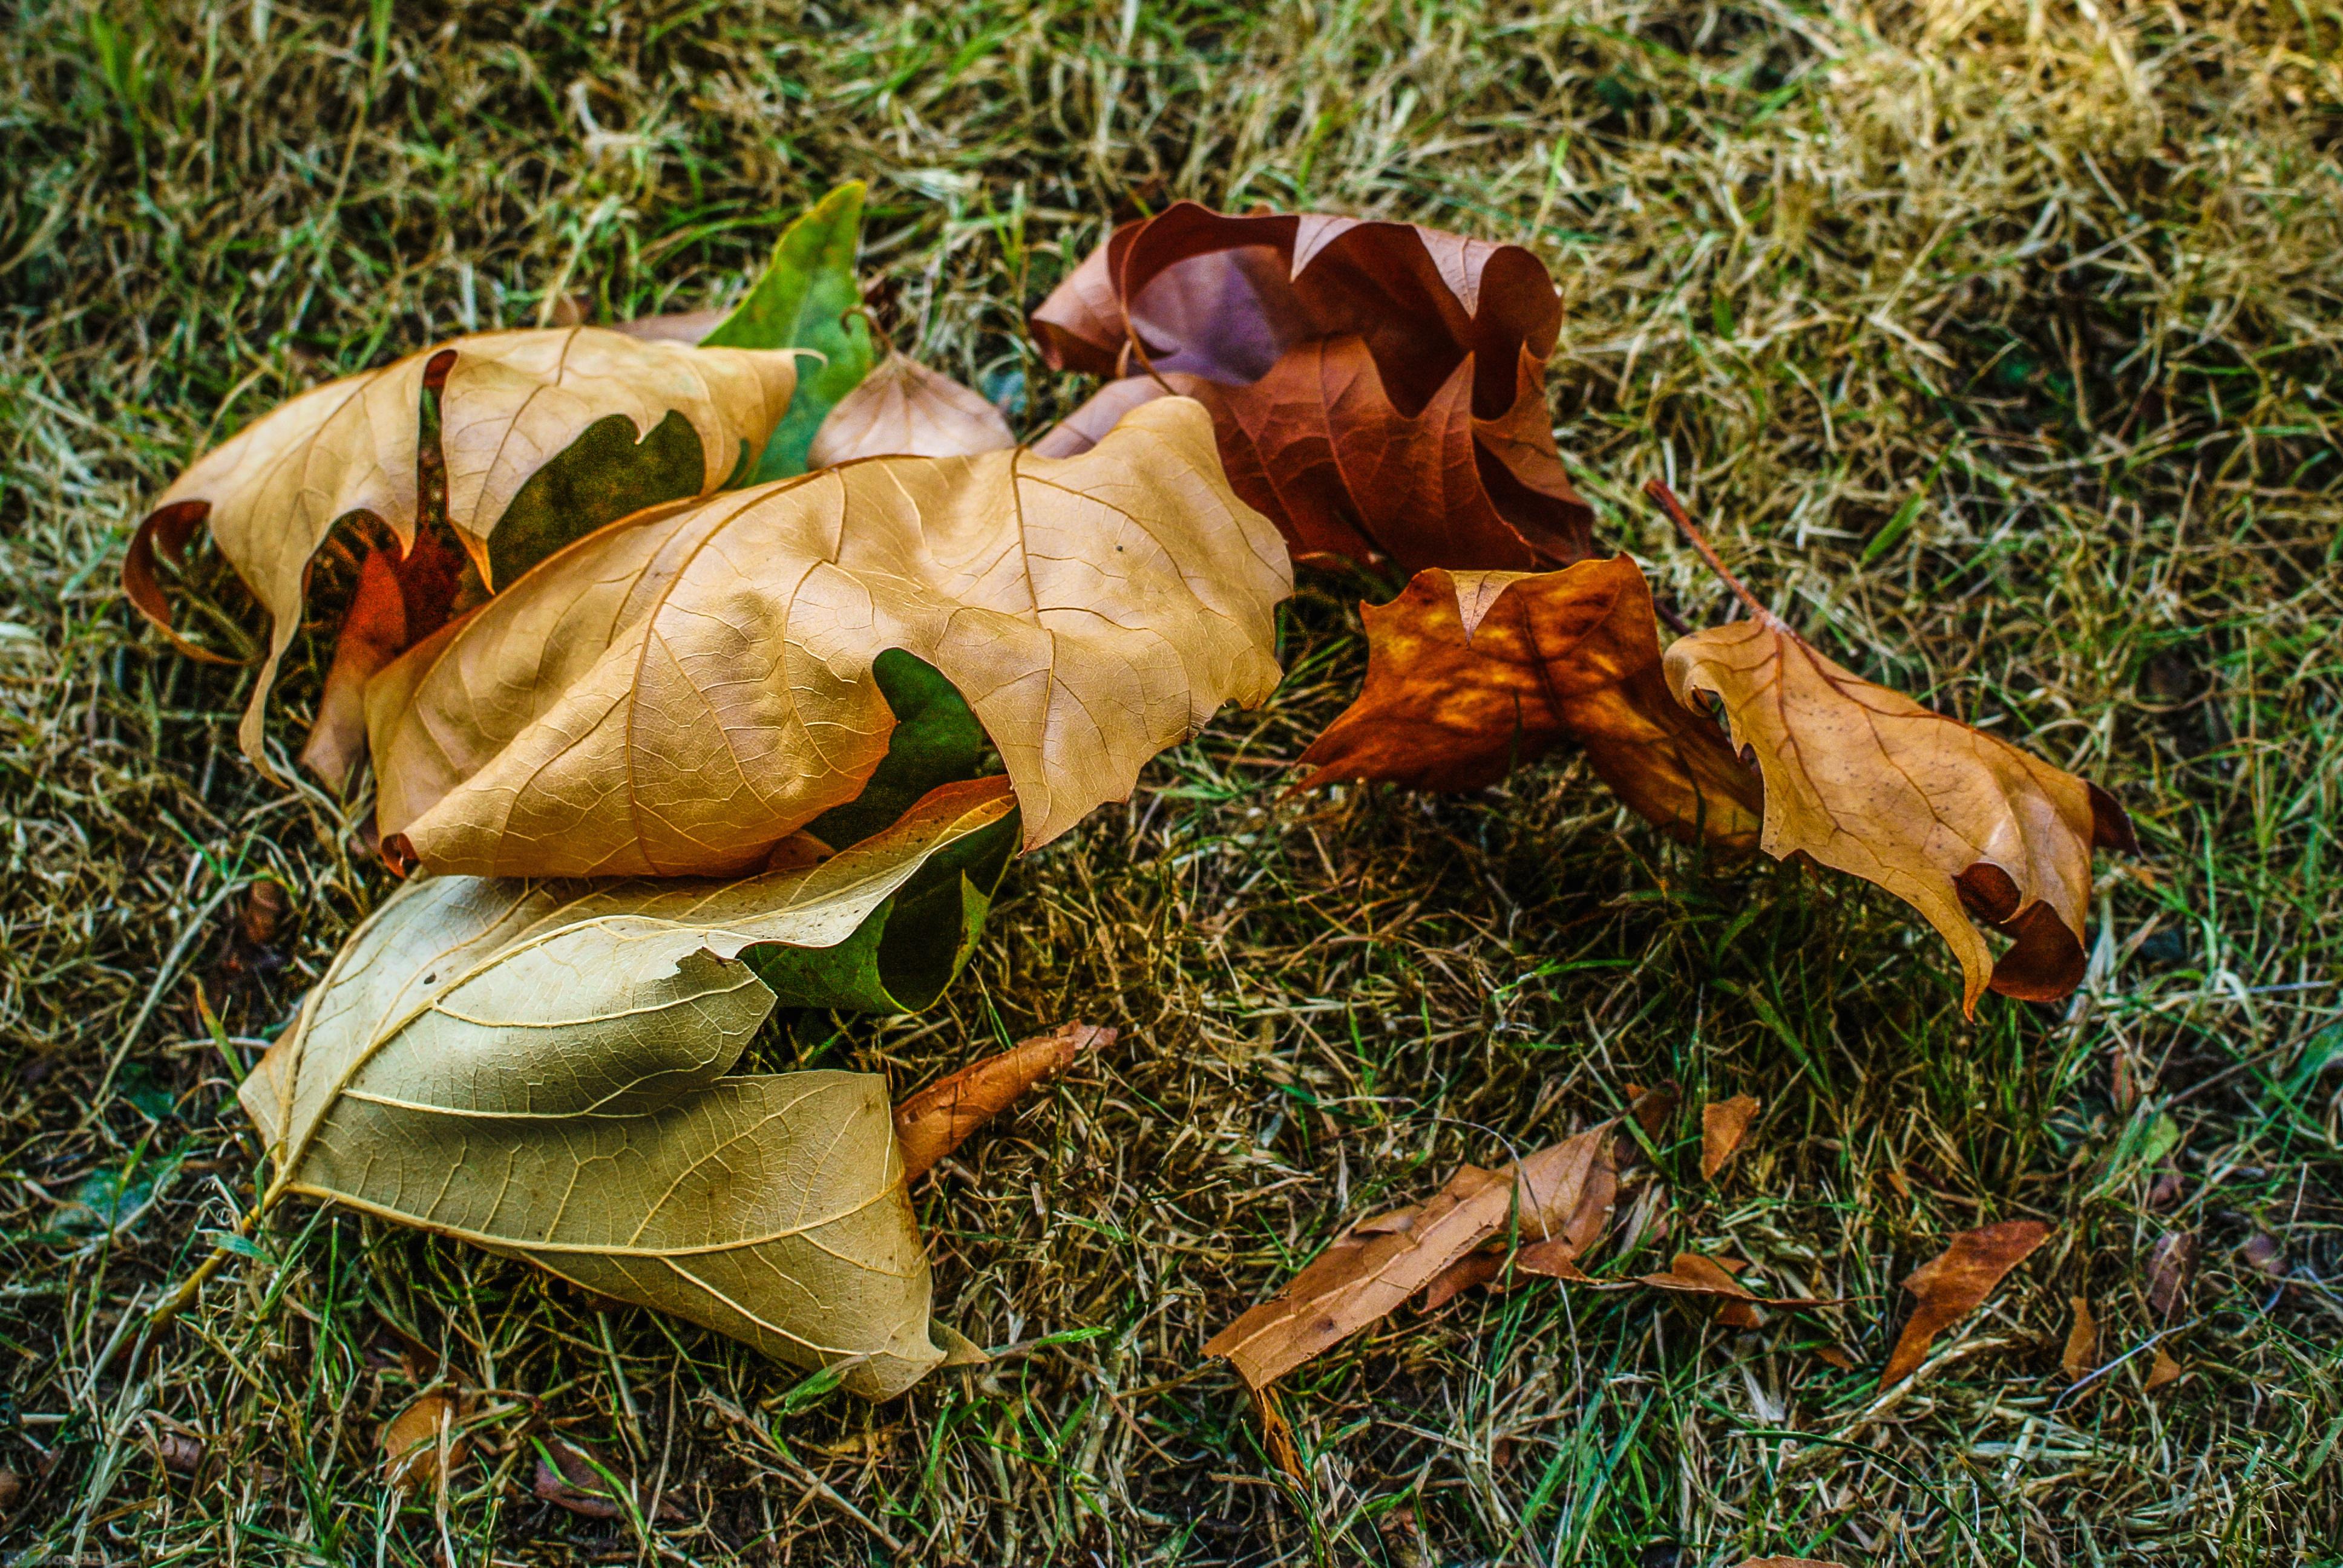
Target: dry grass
<point>1995,341</point>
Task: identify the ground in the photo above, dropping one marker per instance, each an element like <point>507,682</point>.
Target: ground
<point>1994,343</point>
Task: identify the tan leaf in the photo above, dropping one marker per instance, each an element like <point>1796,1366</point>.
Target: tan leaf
<point>1695,1274</point>
<point>1471,673</point>
<point>2162,1370</point>
<point>541,1068</point>
<point>2081,1356</point>
<point>678,692</point>
<point>1561,1193</point>
<point>415,1440</point>
<point>933,1122</point>
<point>1955,1282</point>
<point>1947,818</point>
<point>509,403</point>
<point>904,408</point>
<point>1723,1125</point>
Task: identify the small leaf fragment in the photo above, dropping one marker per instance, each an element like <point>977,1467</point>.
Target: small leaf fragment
<point>2162,1370</point>
<point>937,1119</point>
<point>2081,1355</point>
<point>420,1445</point>
<point>1955,1282</point>
<point>1723,1125</point>
<point>2171,1272</point>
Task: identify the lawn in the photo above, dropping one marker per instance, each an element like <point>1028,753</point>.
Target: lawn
<point>1995,343</point>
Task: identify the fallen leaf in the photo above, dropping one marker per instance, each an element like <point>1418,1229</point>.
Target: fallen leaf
<point>902,408</point>
<point>1378,389</point>
<point>1470,674</point>
<point>403,596</point>
<point>1723,1125</point>
<point>1955,1282</point>
<point>1277,1435</point>
<point>570,1477</point>
<point>2171,1271</point>
<point>543,1067</point>
<point>1653,1108</point>
<point>2265,1254</point>
<point>2161,1372</point>
<point>12,1489</point>
<point>2081,1356</point>
<point>509,403</point>
<point>1833,1356</point>
<point>936,1120</point>
<point>680,692</point>
<point>416,1440</point>
<point>1561,1193</point>
<point>180,1452</point>
<point>1947,818</point>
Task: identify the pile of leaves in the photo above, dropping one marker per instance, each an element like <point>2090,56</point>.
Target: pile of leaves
<point>713,665</point>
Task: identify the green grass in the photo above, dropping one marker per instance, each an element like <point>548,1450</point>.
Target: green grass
<point>1996,345</point>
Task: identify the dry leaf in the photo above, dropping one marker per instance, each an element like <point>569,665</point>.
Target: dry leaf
<point>1955,1282</point>
<point>1653,1108</point>
<point>1472,673</point>
<point>414,1440</point>
<point>2081,1356</point>
<point>904,408</point>
<point>2164,1369</point>
<point>576,1480</point>
<point>1563,1192</point>
<point>2171,1271</point>
<point>2265,1254</point>
<point>1723,1125</point>
<point>1947,818</point>
<point>682,690</point>
<point>509,403</point>
<point>1377,388</point>
<point>403,596</point>
<point>540,1068</point>
<point>936,1120</point>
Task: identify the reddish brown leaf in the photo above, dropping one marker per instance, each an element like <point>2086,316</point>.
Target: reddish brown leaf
<point>420,1444</point>
<point>1955,1282</point>
<point>1723,1125</point>
<point>403,596</point>
<point>1653,1108</point>
<point>1377,388</point>
<point>2171,1271</point>
<point>576,1482</point>
<point>2081,1356</point>
<point>936,1120</point>
<point>1469,673</point>
<point>2265,1255</point>
<point>1561,1193</point>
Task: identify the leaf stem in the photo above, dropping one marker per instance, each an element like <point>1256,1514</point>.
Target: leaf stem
<point>1690,530</point>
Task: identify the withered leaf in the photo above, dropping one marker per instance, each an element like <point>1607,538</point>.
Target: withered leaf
<point>904,408</point>
<point>682,690</point>
<point>2161,1372</point>
<point>1471,673</point>
<point>402,597</point>
<point>932,1123</point>
<point>1723,1125</point>
<point>420,1445</point>
<point>543,1069</point>
<point>570,1477</point>
<point>1947,818</point>
<point>2171,1271</point>
<point>1557,1192</point>
<point>1653,1108</point>
<point>1956,1281</point>
<point>2081,1355</point>
<point>1377,388</point>
<point>509,403</point>
<point>1697,1274</point>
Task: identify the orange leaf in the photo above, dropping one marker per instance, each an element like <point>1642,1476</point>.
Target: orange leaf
<point>403,596</point>
<point>417,1440</point>
<point>1469,673</point>
<point>1377,388</point>
<point>1956,1281</point>
<point>2162,1370</point>
<point>1563,1192</point>
<point>2082,1351</point>
<point>1723,1125</point>
<point>936,1120</point>
<point>1947,818</point>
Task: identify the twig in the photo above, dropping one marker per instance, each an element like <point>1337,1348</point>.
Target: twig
<point>1699,541</point>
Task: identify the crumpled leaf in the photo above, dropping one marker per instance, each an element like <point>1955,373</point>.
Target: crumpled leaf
<point>1556,1193</point>
<point>508,404</point>
<point>1948,819</point>
<point>543,1069</point>
<point>1470,674</point>
<point>1955,1282</point>
<point>807,298</point>
<point>1723,1123</point>
<point>904,408</point>
<point>937,1119</point>
<point>683,691</point>
<point>1377,388</point>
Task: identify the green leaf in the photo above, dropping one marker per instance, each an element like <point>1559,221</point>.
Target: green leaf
<point>936,740</point>
<point>806,298</point>
<point>603,476</point>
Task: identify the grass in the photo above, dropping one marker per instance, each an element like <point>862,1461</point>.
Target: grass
<point>1995,343</point>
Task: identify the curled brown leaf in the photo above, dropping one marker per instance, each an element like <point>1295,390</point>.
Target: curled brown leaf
<point>1955,1282</point>
<point>1723,1123</point>
<point>932,1123</point>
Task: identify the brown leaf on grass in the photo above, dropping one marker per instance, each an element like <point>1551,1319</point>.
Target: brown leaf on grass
<point>933,1122</point>
<point>1653,1108</point>
<point>1561,1193</point>
<point>420,1445</point>
<point>509,402</point>
<point>1377,388</point>
<point>1690,1274</point>
<point>403,596</point>
<point>1955,1282</point>
<point>1472,673</point>
<point>2265,1254</point>
<point>2081,1355</point>
<point>904,408</point>
<point>1948,819</point>
<point>2171,1271</point>
<point>593,1488</point>
<point>2162,1370</point>
<point>680,691</point>
<point>1723,1123</point>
